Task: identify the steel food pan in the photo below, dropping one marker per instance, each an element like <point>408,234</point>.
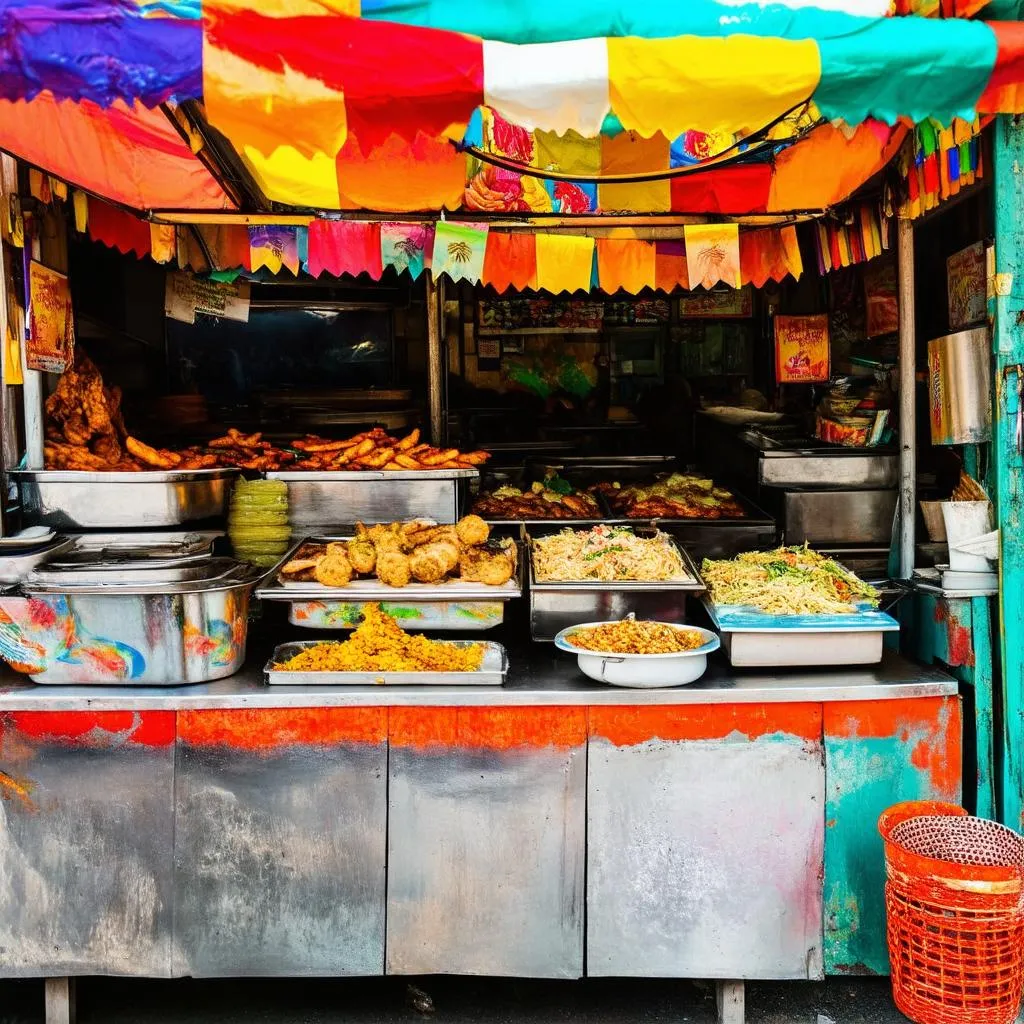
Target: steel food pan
<point>323,499</point>
<point>158,636</point>
<point>203,575</point>
<point>492,671</point>
<point>754,639</point>
<point>58,575</point>
<point>453,605</point>
<point>555,606</point>
<point>69,499</point>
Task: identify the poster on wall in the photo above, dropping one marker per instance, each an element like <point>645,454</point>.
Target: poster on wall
<point>50,345</point>
<point>801,349</point>
<point>881,297</point>
<point>965,279</point>
<point>186,295</point>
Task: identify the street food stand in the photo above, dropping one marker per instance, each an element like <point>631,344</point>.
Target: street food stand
<point>550,826</point>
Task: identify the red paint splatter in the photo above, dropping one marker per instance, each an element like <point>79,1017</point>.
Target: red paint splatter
<point>268,729</point>
<point>94,728</point>
<point>627,726</point>
<point>958,636</point>
<point>488,728</point>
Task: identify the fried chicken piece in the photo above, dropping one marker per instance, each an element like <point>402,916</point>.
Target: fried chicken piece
<point>409,441</point>
<point>334,569</point>
<point>151,456</point>
<point>481,565</point>
<point>297,565</point>
<point>108,448</point>
<point>234,438</point>
<point>472,530</point>
<point>393,569</point>
<point>94,406</point>
<point>432,535</point>
<point>404,461</point>
<point>363,556</point>
<point>199,462</point>
<point>76,430</point>
<point>435,458</point>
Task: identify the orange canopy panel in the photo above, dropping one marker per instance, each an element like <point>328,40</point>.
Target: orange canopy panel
<point>129,155</point>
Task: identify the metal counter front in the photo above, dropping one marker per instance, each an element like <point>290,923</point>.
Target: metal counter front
<point>548,828</point>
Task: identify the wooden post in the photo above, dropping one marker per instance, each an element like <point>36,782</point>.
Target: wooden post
<point>59,995</point>
<point>730,1000</point>
<point>1008,342</point>
<point>908,396</point>
<point>435,360</point>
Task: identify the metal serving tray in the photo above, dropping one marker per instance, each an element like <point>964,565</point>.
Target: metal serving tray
<point>69,498</point>
<point>324,499</point>
<point>145,544</point>
<point>454,605</point>
<point>15,566</point>
<point>754,639</point>
<point>205,575</point>
<point>89,571</point>
<point>557,605</point>
<point>492,671</point>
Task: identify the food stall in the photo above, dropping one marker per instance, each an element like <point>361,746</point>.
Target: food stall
<point>295,780</point>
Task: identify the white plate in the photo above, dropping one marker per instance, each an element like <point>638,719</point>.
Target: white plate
<point>642,671</point>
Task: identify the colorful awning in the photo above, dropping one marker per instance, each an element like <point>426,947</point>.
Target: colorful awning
<point>333,105</point>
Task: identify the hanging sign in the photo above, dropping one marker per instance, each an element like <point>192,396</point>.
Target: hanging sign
<point>50,345</point>
<point>881,298</point>
<point>965,278</point>
<point>712,254</point>
<point>801,349</point>
<point>186,295</point>
<point>717,304</point>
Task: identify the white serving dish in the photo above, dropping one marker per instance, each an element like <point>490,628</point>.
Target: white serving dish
<point>31,537</point>
<point>642,671</point>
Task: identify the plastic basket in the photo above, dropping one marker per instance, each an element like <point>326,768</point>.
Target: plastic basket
<point>954,899</point>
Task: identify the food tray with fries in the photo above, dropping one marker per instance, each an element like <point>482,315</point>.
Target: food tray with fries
<point>492,671</point>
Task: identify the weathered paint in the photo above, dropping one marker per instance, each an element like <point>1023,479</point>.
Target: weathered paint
<point>271,728</point>
<point>1008,158</point>
<point>487,728</point>
<point>957,633</point>
<point>876,754</point>
<point>86,841</point>
<point>625,726</point>
<point>94,728</point>
<point>280,841</point>
<point>705,852</point>
<point>486,841</point>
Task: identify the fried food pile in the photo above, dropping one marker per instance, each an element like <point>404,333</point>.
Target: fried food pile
<point>631,636</point>
<point>376,449</point>
<point>85,431</point>
<point>540,502</point>
<point>379,644</point>
<point>679,496</point>
<point>398,554</point>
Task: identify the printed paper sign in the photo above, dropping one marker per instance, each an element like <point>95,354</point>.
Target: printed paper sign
<point>187,295</point>
<point>801,349</point>
<point>51,342</point>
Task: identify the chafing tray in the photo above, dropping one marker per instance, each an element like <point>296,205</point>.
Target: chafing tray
<point>68,498</point>
<point>18,564</point>
<point>556,605</point>
<point>325,499</point>
<point>755,639</point>
<point>129,631</point>
<point>492,671</point>
<point>453,605</point>
<point>144,544</point>
<point>194,575</point>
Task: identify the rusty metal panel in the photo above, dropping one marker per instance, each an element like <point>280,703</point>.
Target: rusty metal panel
<point>486,841</point>
<point>86,840</point>
<point>280,841</point>
<point>705,840</point>
<point>877,753</point>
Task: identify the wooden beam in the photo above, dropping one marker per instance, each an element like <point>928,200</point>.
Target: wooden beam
<point>435,360</point>
<point>908,395</point>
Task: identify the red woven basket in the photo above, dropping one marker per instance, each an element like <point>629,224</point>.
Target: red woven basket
<point>954,900</point>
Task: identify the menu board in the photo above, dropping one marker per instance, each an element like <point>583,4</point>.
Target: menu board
<point>51,340</point>
<point>187,295</point>
<point>801,349</point>
<point>965,278</point>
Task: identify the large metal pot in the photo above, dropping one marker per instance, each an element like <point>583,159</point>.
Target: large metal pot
<point>129,628</point>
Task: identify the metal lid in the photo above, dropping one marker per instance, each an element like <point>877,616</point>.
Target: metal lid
<point>183,577</point>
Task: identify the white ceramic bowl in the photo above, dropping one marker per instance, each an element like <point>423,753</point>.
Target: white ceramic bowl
<point>642,671</point>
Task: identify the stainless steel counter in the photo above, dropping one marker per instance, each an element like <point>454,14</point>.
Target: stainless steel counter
<point>539,676</point>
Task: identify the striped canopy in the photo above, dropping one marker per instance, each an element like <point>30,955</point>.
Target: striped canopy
<point>317,96</point>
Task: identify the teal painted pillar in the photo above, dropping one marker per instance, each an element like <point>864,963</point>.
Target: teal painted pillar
<point>1008,341</point>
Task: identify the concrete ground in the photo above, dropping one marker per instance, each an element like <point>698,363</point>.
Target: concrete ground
<point>455,1001</point>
